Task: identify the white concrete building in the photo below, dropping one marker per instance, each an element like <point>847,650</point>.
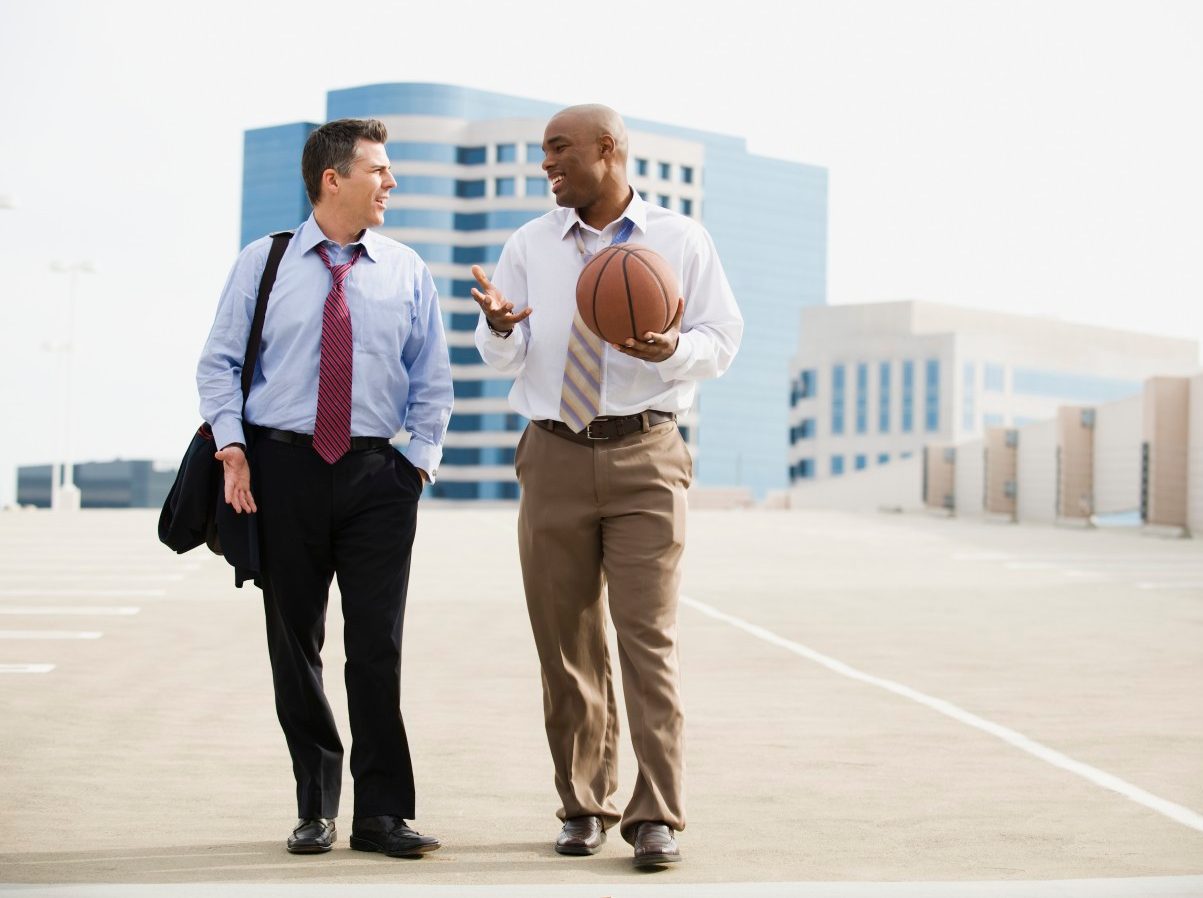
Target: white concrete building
<point>873,383</point>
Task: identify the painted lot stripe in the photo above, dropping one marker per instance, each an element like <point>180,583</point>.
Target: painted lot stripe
<point>1175,812</point>
<point>49,634</point>
<point>25,668</point>
<point>87,578</point>
<point>79,593</point>
<point>112,611</point>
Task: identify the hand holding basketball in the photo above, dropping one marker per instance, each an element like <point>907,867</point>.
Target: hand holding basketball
<point>497,309</point>
<point>656,347</point>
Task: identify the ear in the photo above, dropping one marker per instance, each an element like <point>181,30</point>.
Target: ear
<point>330,180</point>
<point>606,145</point>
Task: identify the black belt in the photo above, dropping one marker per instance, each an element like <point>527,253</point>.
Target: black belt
<point>306,439</point>
<point>610,428</point>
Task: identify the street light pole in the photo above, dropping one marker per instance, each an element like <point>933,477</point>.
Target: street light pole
<point>66,497</point>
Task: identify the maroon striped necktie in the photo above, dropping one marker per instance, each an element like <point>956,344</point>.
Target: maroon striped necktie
<point>332,428</point>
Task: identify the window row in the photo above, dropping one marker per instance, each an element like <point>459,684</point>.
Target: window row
<point>804,388</point>
<point>664,171</point>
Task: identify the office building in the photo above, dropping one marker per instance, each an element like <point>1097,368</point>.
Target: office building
<point>467,164</point>
<point>873,383</point>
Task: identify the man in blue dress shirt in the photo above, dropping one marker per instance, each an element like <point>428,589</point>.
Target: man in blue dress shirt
<point>353,351</point>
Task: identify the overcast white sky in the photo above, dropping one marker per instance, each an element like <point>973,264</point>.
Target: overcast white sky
<point>1041,157</point>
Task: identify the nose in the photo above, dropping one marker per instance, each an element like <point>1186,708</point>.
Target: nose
<point>546,164</point>
<point>389,181</point>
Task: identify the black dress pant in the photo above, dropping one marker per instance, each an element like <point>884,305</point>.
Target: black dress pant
<point>355,520</point>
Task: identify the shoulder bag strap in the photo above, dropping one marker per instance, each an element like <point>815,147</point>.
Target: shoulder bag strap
<point>279,244</point>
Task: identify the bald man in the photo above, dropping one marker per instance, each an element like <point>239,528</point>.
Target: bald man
<point>604,472</point>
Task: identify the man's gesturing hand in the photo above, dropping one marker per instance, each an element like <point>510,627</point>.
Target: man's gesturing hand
<point>656,347</point>
<point>499,312</point>
<point>238,478</point>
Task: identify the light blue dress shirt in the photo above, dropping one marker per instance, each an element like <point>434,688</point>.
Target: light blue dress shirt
<point>401,372</point>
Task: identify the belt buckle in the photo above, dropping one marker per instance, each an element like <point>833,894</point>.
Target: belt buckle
<point>589,432</point>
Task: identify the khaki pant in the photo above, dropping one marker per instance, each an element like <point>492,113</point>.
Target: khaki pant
<point>607,512</point>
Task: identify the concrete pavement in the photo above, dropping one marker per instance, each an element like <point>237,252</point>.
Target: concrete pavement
<point>875,705</point>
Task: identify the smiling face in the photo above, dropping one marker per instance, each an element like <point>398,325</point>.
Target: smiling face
<point>360,197</point>
<point>575,159</point>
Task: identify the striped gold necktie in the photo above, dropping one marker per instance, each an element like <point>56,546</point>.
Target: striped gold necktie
<point>580,396</point>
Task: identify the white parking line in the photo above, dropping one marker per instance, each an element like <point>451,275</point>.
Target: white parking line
<point>78,593</point>
<point>49,634</point>
<point>1175,812</point>
<point>25,668</point>
<point>122,610</point>
<point>87,578</point>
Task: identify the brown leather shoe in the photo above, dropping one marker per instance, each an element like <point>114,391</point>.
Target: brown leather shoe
<point>581,835</point>
<point>655,845</point>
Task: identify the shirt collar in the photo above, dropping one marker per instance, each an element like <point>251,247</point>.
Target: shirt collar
<point>636,211</point>
<point>311,234</point>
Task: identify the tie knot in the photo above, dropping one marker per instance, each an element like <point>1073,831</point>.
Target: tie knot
<point>338,272</point>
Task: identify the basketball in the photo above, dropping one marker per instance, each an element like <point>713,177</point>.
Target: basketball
<point>625,291</point>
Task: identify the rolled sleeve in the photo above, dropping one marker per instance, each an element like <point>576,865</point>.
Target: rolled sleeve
<point>219,371</point>
<point>431,394</point>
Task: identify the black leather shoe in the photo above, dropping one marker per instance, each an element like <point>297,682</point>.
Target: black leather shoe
<point>655,846</point>
<point>581,835</point>
<point>312,835</point>
<point>389,835</point>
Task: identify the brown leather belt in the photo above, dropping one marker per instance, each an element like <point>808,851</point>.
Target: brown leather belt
<point>609,428</point>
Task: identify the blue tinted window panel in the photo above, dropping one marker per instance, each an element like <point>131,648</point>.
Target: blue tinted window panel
<point>908,397</point>
<point>883,458</point>
<point>1069,386</point>
<point>883,397</point>
<point>837,465</point>
<point>475,255</point>
<point>426,185</point>
<point>686,206</point>
<point>506,187</point>
<point>931,404</point>
<point>470,189</point>
<point>994,377</point>
<point>861,462</point>
<point>507,152</point>
<point>534,153</point>
<point>862,398</point>
<point>686,174</point>
<point>416,151</point>
<point>434,219</point>
<point>666,171</point>
<point>538,187</point>
<point>641,167</point>
<point>471,155</point>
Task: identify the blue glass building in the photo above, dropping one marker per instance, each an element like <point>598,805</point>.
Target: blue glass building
<point>467,169</point>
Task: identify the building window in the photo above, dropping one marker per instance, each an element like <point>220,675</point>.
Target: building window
<point>686,206</point>
<point>837,465</point>
<point>641,167</point>
<point>666,171</point>
<point>469,189</point>
<point>908,397</point>
<point>470,155</point>
<point>931,396</point>
<point>534,153</point>
<point>883,458</point>
<point>991,419</point>
<point>507,152</point>
<point>537,186</point>
<point>803,430</point>
<point>686,174</point>
<point>862,398</point>
<point>807,383</point>
<point>969,402</point>
<point>506,187</point>
<point>993,378</point>
<point>806,468</point>
<point>861,462</point>
<point>837,400</point>
<point>664,200</point>
<point>883,397</point>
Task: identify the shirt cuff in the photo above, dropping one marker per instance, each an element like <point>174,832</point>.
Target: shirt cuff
<point>424,455</point>
<point>227,429</point>
<point>677,363</point>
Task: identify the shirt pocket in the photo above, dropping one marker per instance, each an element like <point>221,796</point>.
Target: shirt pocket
<point>383,325</point>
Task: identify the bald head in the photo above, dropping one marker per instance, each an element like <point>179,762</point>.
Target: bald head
<point>594,121</point>
<point>585,157</point>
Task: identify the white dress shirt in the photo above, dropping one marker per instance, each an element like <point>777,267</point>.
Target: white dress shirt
<point>539,268</point>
